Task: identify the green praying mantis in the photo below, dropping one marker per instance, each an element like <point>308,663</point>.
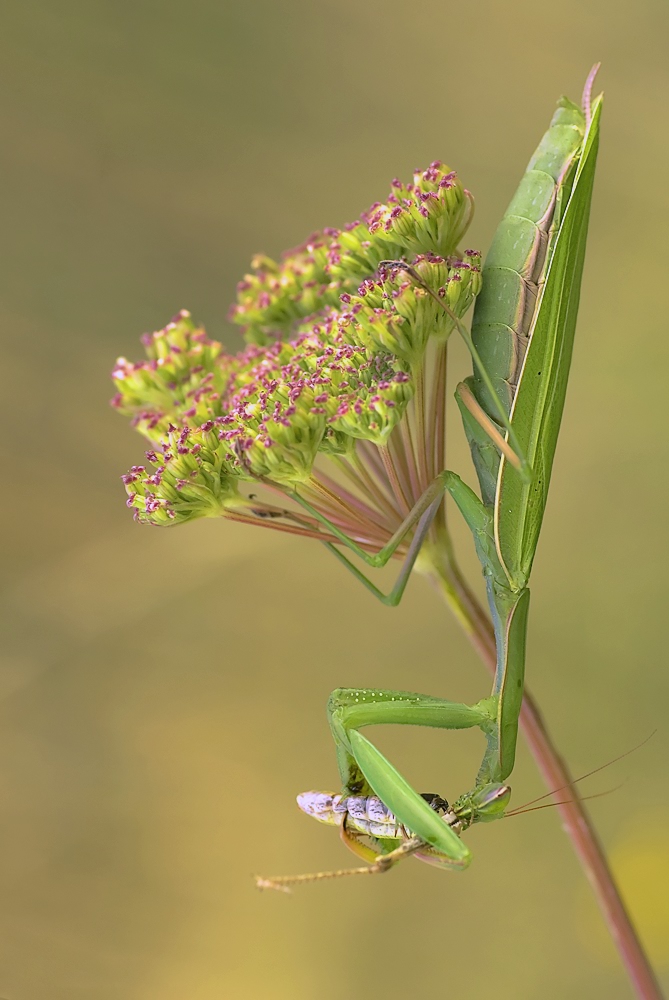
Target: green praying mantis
<point>521,344</point>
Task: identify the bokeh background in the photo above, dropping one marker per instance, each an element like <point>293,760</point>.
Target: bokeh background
<point>162,693</point>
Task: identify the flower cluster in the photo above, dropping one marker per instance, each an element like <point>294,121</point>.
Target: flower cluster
<point>184,375</point>
<point>315,392</point>
<point>279,407</point>
<point>350,315</point>
<point>191,476</point>
<point>397,313</point>
<point>429,215</point>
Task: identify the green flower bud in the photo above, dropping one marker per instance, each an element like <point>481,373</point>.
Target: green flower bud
<point>194,475</point>
<point>464,282</point>
<point>376,401</point>
<point>274,295</point>
<point>184,376</point>
<point>431,215</point>
<point>399,309</point>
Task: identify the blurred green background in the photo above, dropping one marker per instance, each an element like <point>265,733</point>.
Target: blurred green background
<point>163,692</point>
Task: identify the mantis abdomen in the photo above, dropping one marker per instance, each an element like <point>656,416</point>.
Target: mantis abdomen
<point>515,266</point>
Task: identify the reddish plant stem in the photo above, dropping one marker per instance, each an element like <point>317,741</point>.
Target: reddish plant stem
<point>575,819</point>
<point>391,472</point>
<point>292,529</point>
<point>351,508</point>
<point>412,467</point>
<point>419,413</point>
<point>364,512</point>
<point>436,445</point>
<point>365,482</point>
<point>368,454</point>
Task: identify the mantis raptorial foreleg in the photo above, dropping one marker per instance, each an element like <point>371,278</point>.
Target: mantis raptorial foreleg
<point>363,768</point>
<point>402,822</point>
<point>366,816</point>
<point>349,709</point>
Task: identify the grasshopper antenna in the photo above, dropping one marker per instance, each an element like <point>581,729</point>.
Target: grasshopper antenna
<point>521,810</point>
<point>588,774</point>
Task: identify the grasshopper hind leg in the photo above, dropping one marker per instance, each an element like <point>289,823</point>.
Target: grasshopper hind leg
<point>378,863</point>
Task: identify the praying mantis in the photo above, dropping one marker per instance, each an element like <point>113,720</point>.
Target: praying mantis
<point>521,343</point>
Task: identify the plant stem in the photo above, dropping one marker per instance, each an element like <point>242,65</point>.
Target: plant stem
<point>419,412</point>
<point>575,819</point>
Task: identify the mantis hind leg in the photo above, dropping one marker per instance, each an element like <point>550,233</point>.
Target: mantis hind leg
<point>420,518</point>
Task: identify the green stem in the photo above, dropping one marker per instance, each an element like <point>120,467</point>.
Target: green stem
<point>575,819</point>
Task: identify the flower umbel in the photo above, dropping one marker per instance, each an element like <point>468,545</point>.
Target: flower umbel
<point>429,215</point>
<point>338,399</point>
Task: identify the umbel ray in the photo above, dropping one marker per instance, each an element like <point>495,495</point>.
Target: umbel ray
<point>521,340</point>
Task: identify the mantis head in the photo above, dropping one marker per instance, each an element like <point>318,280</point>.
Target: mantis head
<point>484,804</point>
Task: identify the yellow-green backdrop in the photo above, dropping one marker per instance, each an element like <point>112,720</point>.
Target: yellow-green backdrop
<point>163,692</point>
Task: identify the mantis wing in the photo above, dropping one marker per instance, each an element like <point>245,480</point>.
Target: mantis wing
<point>539,400</point>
